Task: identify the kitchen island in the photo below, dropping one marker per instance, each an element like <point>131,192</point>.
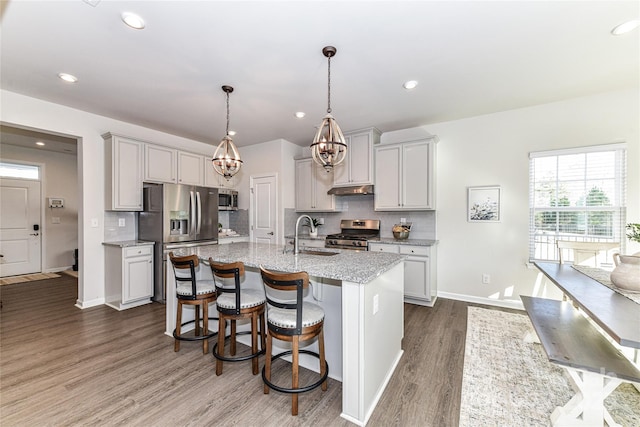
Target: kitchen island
<point>362,296</point>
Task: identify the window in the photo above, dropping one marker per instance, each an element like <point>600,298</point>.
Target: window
<point>16,170</point>
<point>577,195</point>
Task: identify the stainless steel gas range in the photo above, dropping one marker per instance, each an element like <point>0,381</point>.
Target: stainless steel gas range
<point>354,234</point>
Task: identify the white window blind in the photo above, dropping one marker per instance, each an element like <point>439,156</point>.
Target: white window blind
<point>576,195</point>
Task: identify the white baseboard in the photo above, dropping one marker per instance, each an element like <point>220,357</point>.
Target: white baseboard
<point>57,269</point>
<point>88,304</point>
<point>515,304</point>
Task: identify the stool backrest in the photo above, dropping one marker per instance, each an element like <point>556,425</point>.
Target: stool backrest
<point>184,270</point>
<point>276,288</point>
<point>233,270</point>
<point>586,253</point>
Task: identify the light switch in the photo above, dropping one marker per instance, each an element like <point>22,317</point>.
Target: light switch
<point>94,222</point>
<point>121,222</point>
<point>55,220</point>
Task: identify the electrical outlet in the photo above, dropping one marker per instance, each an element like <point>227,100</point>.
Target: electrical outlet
<point>320,221</point>
<point>121,222</point>
<point>376,305</point>
<point>403,220</point>
<point>94,222</point>
<point>55,220</point>
<point>486,279</point>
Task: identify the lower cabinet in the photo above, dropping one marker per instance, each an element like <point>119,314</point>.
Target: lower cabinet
<point>419,271</point>
<point>129,276</point>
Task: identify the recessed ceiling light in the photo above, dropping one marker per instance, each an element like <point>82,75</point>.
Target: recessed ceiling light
<point>68,77</point>
<point>133,20</point>
<point>300,114</point>
<point>411,84</point>
<point>625,27</point>
<point>232,132</point>
<point>40,143</point>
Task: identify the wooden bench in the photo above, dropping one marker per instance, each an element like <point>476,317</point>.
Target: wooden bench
<point>593,363</point>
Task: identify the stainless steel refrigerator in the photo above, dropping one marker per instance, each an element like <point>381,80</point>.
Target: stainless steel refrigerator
<point>176,216</point>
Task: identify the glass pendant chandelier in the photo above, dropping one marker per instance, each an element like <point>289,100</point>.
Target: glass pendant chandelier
<point>329,147</point>
<point>226,160</point>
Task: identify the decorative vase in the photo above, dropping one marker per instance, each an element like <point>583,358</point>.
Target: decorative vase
<point>313,233</point>
<point>626,275</point>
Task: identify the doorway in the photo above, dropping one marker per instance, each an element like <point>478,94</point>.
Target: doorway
<point>263,209</point>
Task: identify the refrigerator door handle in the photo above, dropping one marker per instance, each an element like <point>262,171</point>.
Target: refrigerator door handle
<point>192,213</point>
<point>198,212</point>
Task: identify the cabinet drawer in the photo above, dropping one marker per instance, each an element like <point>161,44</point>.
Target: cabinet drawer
<point>138,251</point>
<point>414,250</point>
<point>381,247</point>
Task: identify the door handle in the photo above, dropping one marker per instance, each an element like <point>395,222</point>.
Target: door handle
<point>270,233</point>
<point>34,234</point>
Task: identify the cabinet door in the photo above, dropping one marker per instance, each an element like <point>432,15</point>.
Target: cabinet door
<point>361,159</point>
<point>303,185</point>
<point>382,247</point>
<point>160,164</point>
<point>341,172</point>
<point>126,178</point>
<point>190,169</point>
<point>415,176</point>
<point>322,181</point>
<point>138,278</point>
<point>387,181</point>
<point>416,277</point>
<point>213,179</point>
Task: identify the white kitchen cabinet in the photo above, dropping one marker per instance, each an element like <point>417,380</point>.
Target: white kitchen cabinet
<point>128,275</point>
<point>213,179</point>
<point>357,167</point>
<point>405,176</point>
<point>123,173</point>
<point>160,164</point>
<point>312,184</point>
<point>419,271</point>
<point>190,168</point>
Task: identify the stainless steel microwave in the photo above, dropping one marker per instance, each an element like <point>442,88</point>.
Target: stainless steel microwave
<point>227,200</point>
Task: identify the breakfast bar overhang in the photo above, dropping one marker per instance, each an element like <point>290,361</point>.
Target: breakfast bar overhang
<point>362,295</point>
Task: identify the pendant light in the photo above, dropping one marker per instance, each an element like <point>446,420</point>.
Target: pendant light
<point>329,147</point>
<point>226,160</point>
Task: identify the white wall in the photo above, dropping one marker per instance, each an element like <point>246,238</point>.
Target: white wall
<point>60,179</point>
<point>30,112</point>
<point>493,150</point>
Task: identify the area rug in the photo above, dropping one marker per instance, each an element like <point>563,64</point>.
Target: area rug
<point>27,278</point>
<point>507,382</point>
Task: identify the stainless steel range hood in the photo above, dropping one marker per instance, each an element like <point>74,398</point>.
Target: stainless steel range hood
<point>349,191</point>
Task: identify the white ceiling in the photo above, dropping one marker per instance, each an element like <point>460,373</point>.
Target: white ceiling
<point>470,58</point>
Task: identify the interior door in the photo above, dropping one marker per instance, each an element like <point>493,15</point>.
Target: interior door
<point>264,210</point>
<point>20,233</point>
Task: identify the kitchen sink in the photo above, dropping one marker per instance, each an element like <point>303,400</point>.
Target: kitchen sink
<point>321,253</point>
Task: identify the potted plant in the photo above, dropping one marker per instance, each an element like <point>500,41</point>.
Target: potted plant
<point>633,232</point>
<point>316,224</point>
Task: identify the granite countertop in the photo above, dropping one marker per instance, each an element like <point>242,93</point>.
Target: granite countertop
<point>306,236</point>
<point>127,243</point>
<point>351,266</point>
<point>413,242</point>
<point>226,236</point>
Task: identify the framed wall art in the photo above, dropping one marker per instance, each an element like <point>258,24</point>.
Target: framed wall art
<point>484,204</point>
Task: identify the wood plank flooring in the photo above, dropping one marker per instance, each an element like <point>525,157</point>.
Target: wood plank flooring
<point>64,366</point>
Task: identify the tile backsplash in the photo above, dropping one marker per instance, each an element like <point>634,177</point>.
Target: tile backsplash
<point>361,207</point>
<point>113,232</point>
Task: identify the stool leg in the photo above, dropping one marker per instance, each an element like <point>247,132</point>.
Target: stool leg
<point>197,331</point>
<point>222,324</point>
<point>263,332</point>
<point>254,341</point>
<point>323,364</point>
<point>294,376</point>
<point>205,326</point>
<point>176,345</point>
<point>233,338</point>
<point>267,363</point>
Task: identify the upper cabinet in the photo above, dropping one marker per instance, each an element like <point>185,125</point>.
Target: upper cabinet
<point>123,173</point>
<point>312,184</point>
<point>190,168</point>
<point>357,167</point>
<point>160,164</point>
<point>214,179</point>
<point>405,176</point>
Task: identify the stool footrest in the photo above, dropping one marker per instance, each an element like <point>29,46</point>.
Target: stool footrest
<point>299,389</point>
<point>195,338</point>
<point>235,358</point>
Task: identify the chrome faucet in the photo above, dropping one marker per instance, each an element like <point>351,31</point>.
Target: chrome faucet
<point>296,249</point>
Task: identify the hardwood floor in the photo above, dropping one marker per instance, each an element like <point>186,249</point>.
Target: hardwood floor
<point>64,366</point>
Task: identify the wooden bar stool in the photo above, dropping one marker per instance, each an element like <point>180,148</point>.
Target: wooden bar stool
<point>190,291</point>
<point>291,319</point>
<point>235,303</point>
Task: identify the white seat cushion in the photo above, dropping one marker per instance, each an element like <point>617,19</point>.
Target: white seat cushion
<point>248,298</point>
<point>312,314</point>
<point>202,287</point>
